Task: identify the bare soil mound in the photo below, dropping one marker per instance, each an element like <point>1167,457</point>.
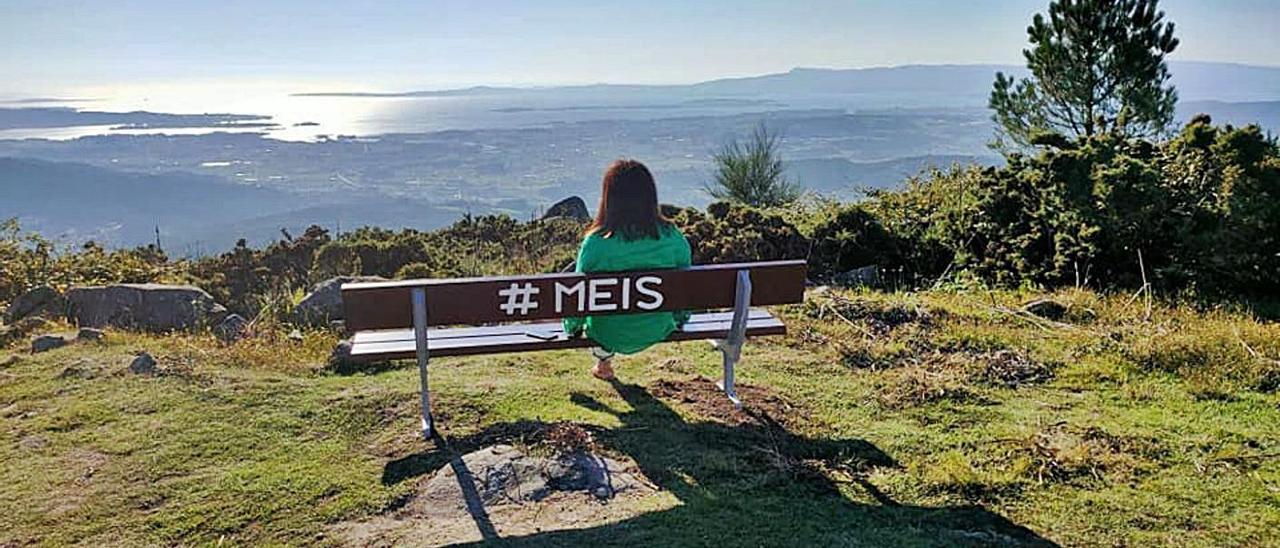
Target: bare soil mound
<point>704,398</point>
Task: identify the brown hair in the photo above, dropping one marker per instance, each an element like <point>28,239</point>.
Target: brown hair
<point>628,203</point>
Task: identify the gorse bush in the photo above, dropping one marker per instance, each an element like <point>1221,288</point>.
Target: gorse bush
<point>28,260</point>
<point>729,233</point>
<point>1199,212</point>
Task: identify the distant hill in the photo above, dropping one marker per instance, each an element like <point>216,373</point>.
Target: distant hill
<point>949,85</point>
<point>74,202</point>
<point>843,178</point>
<point>79,202</point>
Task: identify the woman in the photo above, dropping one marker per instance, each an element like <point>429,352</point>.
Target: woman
<point>628,233</point>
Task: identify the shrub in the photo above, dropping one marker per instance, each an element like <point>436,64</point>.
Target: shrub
<point>752,173</point>
<point>729,233</point>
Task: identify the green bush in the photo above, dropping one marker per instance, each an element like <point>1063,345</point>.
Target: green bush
<point>729,233</point>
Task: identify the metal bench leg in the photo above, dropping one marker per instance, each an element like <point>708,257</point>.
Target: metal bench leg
<point>731,347</point>
<point>420,342</point>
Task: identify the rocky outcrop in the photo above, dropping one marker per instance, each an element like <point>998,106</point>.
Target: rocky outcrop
<point>570,208</point>
<point>143,364</point>
<point>503,474</point>
<point>324,303</point>
<point>89,334</point>
<point>231,329</point>
<point>45,343</point>
<point>43,301</point>
<point>146,307</point>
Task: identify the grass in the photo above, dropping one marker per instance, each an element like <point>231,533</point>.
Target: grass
<point>942,418</point>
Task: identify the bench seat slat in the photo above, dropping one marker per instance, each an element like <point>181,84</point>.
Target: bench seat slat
<point>438,334</point>
<point>399,343</point>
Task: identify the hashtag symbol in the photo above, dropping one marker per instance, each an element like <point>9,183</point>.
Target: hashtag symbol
<point>518,298</point>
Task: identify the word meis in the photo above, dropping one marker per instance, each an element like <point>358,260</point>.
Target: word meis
<point>586,296</point>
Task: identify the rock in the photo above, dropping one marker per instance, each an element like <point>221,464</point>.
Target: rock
<point>295,336</point>
<point>338,326</point>
<point>867,275</point>
<point>143,364</point>
<point>324,303</point>
<point>502,474</point>
<point>21,330</point>
<point>147,307</point>
<point>43,301</point>
<point>570,208</point>
<point>1045,308</point>
<point>47,342</point>
<point>340,357</point>
<point>231,329</point>
<point>81,369</point>
<point>87,334</point>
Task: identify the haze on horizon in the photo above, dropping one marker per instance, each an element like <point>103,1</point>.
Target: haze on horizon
<point>63,46</point>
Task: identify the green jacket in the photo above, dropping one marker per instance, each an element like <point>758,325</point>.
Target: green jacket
<point>631,333</point>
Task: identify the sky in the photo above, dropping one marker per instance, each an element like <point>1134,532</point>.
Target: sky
<point>52,45</point>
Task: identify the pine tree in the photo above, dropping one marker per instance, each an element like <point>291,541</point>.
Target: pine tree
<point>1096,66</point>
<point>753,173</point>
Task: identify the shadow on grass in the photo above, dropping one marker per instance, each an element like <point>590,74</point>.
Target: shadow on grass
<point>750,484</point>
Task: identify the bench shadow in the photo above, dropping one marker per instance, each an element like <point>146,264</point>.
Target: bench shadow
<point>755,483</point>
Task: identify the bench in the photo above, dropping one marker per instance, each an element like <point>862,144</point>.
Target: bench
<point>405,319</point>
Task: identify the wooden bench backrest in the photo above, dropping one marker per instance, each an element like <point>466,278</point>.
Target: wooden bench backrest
<point>386,305</point>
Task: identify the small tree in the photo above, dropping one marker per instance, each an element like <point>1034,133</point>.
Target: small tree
<point>1096,66</point>
<point>752,173</point>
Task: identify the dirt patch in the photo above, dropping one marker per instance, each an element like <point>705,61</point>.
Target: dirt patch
<point>701,396</point>
<point>1012,369</point>
<point>872,317</point>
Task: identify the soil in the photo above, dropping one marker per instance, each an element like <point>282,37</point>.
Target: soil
<point>702,397</point>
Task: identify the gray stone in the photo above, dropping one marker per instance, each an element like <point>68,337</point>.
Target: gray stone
<point>80,369</point>
<point>231,329</point>
<point>148,307</point>
<point>143,364</point>
<point>867,275</point>
<point>22,329</point>
<point>340,358</point>
<point>43,301</point>
<point>87,334</point>
<point>502,474</point>
<point>47,342</point>
<point>1045,308</point>
<point>324,303</point>
<point>571,208</point>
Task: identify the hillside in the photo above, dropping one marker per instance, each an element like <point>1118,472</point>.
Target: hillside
<point>935,418</point>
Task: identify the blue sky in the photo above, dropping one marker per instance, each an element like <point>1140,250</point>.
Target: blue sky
<point>52,44</point>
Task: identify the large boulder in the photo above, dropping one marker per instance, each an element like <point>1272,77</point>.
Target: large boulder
<point>146,307</point>
<point>324,303</point>
<point>572,208</point>
<point>43,301</point>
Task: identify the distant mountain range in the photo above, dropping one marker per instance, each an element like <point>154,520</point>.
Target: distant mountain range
<point>964,84</point>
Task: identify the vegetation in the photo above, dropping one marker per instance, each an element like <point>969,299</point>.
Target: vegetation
<point>752,173</point>
<point>1196,216</point>
<point>902,419</point>
<point>1097,66</point>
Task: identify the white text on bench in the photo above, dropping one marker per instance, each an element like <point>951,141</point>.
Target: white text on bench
<point>602,295</point>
